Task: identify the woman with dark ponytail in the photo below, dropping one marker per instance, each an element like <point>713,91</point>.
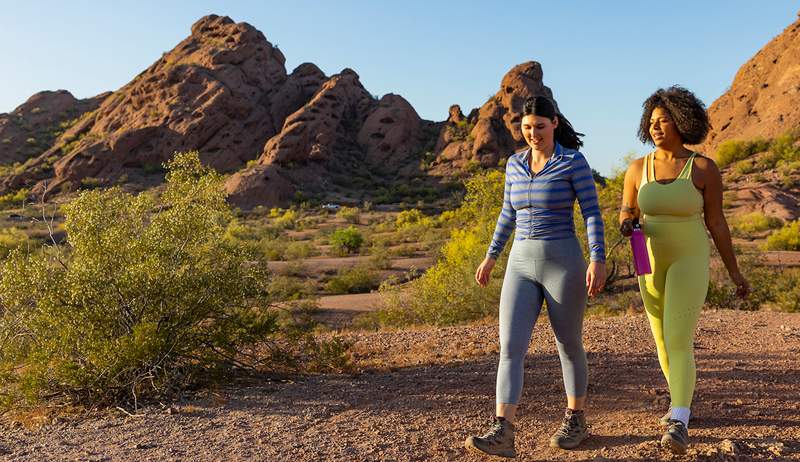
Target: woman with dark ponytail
<point>545,263</point>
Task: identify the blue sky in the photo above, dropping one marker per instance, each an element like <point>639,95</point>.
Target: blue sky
<point>602,59</point>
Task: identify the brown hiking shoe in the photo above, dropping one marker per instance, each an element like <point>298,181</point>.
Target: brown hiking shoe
<point>572,432</point>
<point>498,441</point>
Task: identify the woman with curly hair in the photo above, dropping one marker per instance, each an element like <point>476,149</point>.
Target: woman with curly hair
<point>670,193</point>
<point>546,263</point>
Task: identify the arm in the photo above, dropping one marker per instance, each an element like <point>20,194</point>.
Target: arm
<point>502,231</point>
<point>629,211</point>
<point>586,192</point>
<point>505,222</point>
<point>717,225</point>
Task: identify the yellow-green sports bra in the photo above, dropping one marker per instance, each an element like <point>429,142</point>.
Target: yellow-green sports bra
<point>679,198</point>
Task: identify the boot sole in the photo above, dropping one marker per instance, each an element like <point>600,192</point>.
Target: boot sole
<point>555,444</point>
<point>469,445</point>
<point>672,445</point>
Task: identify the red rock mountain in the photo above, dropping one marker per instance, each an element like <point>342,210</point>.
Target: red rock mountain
<point>225,92</point>
<point>33,126</point>
<point>491,132</point>
<point>764,99</point>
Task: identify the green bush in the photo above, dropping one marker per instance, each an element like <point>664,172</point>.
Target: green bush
<point>14,199</point>
<point>786,238</point>
<point>732,150</point>
<point>785,149</point>
<point>290,288</point>
<point>349,214</point>
<point>447,293</point>
<point>356,280</point>
<point>288,220</point>
<point>346,240</point>
<point>10,239</point>
<point>296,250</point>
<point>754,222</point>
<point>144,300</point>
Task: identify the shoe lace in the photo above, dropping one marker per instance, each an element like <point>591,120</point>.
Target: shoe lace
<point>495,431</point>
<point>569,426</point>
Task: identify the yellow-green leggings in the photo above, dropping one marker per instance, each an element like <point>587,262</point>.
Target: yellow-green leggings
<point>673,295</point>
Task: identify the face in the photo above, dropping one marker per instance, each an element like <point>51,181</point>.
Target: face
<point>538,131</point>
<point>663,129</point>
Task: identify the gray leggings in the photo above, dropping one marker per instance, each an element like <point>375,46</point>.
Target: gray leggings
<point>542,270</point>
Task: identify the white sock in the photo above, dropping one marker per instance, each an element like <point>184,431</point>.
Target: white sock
<point>682,414</point>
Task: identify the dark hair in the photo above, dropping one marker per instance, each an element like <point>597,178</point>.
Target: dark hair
<point>564,134</point>
<point>685,109</point>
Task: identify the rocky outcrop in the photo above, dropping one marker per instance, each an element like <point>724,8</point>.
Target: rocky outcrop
<point>492,132</point>
<point>213,93</point>
<point>764,98</point>
<point>32,127</point>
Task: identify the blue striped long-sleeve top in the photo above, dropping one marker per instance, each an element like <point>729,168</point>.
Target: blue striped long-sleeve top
<point>540,205</point>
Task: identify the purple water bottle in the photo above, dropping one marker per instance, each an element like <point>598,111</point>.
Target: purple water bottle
<point>641,259</point>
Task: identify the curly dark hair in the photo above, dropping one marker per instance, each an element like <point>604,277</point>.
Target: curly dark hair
<point>686,110</point>
<point>564,134</point>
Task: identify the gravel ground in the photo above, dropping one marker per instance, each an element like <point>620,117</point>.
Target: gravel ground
<point>418,393</point>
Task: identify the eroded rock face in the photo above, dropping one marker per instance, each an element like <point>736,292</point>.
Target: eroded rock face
<point>259,185</point>
<point>492,132</point>
<point>390,133</point>
<point>213,93</point>
<point>32,127</point>
<point>764,99</point>
<point>329,120</point>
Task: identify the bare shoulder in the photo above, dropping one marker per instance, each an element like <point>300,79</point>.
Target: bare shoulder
<point>636,166</point>
<point>706,164</point>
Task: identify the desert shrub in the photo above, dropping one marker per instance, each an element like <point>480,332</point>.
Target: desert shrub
<point>346,240</point>
<point>785,149</point>
<point>379,257</point>
<point>447,293</point>
<point>14,199</point>
<point>743,167</point>
<point>754,222</point>
<point>290,288</point>
<point>272,249</point>
<point>785,238</point>
<point>143,301</point>
<point>356,280</point>
<point>732,150</point>
<point>10,239</point>
<point>298,249</point>
<point>349,214</point>
<point>408,218</point>
<point>287,220</point>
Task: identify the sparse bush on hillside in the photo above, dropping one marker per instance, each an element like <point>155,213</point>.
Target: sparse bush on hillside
<point>349,214</point>
<point>14,199</point>
<point>142,302</point>
<point>732,150</point>
<point>754,222</point>
<point>346,240</point>
<point>786,238</point>
<point>356,280</point>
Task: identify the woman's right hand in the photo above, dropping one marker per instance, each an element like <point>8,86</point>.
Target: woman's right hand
<point>626,227</point>
<point>484,270</point>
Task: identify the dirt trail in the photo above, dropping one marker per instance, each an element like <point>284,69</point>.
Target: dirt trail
<point>419,393</point>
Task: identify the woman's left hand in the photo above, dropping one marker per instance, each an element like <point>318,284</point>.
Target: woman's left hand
<point>595,278</point>
<point>742,286</point>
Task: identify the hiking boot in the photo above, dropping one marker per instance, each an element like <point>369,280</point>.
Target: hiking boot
<point>676,438</point>
<point>573,430</point>
<point>498,441</point>
<point>664,420</point>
